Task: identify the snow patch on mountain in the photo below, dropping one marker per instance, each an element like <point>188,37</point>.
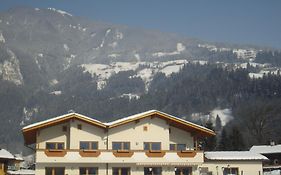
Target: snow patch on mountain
<point>66,48</point>
<point>63,13</point>
<point>28,114</point>
<point>55,93</point>
<point>179,48</point>
<point>262,73</point>
<point>130,96</point>
<point>2,39</point>
<point>53,82</point>
<point>145,70</point>
<point>114,55</point>
<point>113,44</point>
<point>36,9</point>
<point>119,35</point>
<point>10,69</point>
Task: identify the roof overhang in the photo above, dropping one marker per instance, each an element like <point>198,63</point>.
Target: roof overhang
<point>29,132</point>
<point>173,121</point>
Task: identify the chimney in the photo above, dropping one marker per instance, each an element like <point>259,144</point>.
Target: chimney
<point>272,143</point>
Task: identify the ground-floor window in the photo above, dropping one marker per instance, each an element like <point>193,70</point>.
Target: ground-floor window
<point>152,171</point>
<point>230,171</point>
<point>54,170</point>
<point>183,170</point>
<point>88,171</point>
<point>121,171</point>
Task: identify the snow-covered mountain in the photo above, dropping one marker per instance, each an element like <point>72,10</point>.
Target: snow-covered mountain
<point>54,40</point>
<point>50,58</point>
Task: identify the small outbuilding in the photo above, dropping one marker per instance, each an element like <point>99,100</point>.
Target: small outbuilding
<point>232,162</point>
<point>273,153</point>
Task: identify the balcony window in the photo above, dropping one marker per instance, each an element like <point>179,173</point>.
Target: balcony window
<point>230,171</point>
<point>177,147</point>
<point>121,171</point>
<point>152,146</point>
<point>152,171</point>
<point>183,170</point>
<point>121,145</point>
<point>54,170</point>
<point>55,145</point>
<point>88,171</point>
<point>86,145</point>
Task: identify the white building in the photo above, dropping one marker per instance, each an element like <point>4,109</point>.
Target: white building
<point>233,162</point>
<point>152,142</point>
<point>149,143</point>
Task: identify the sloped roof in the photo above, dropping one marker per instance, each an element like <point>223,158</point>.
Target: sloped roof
<point>29,132</point>
<point>4,154</point>
<point>162,115</point>
<point>233,155</point>
<point>266,149</point>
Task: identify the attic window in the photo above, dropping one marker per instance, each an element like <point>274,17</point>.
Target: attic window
<point>79,126</point>
<point>64,128</point>
<point>145,128</point>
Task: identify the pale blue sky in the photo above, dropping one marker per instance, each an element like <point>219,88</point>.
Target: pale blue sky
<point>236,21</point>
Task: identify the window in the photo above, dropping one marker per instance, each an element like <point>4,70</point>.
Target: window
<point>121,145</point>
<point>55,145</point>
<point>152,171</point>
<point>177,147</point>
<point>183,170</point>
<point>121,171</point>
<point>88,171</point>
<point>86,145</point>
<point>230,171</point>
<point>153,146</point>
<point>54,171</point>
<point>145,128</point>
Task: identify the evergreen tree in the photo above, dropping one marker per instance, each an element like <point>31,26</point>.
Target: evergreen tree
<point>224,143</point>
<point>237,142</point>
<point>209,143</point>
<point>218,123</point>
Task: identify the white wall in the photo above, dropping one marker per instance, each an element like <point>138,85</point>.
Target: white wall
<point>248,167</point>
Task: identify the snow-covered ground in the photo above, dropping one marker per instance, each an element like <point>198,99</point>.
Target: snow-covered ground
<point>145,70</point>
<point>273,172</point>
<point>179,48</point>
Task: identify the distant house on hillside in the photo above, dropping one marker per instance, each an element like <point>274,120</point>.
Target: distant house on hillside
<point>272,152</point>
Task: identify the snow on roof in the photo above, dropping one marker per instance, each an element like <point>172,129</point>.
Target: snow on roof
<point>6,154</point>
<point>60,117</point>
<point>132,117</point>
<point>154,111</point>
<point>22,172</point>
<point>234,155</point>
<point>266,149</point>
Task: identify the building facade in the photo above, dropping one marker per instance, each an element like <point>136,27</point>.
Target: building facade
<point>149,143</point>
<point>232,162</point>
<point>273,153</point>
